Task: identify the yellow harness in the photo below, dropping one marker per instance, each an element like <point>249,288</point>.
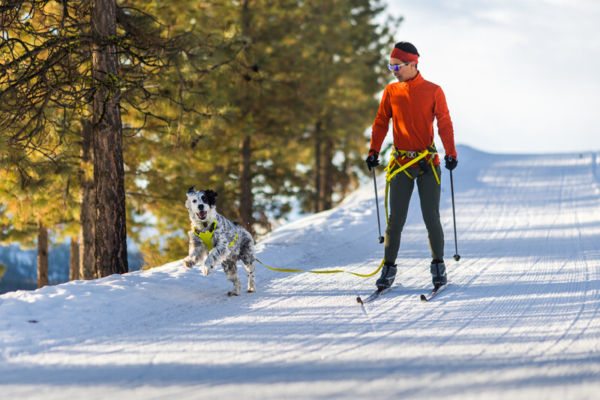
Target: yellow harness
<point>416,157</point>
<point>401,155</point>
<point>206,237</point>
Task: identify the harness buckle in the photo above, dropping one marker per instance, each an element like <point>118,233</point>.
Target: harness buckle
<point>411,154</point>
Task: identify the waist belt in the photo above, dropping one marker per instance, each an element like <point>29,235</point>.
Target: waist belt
<point>416,157</point>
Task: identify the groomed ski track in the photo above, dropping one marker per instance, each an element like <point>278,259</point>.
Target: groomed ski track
<point>520,321</point>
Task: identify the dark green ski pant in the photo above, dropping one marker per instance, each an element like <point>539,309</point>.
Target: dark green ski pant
<point>401,188</point>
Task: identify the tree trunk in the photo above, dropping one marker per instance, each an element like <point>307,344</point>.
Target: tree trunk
<point>42,256</point>
<point>245,210</point>
<point>109,175</point>
<point>318,172</point>
<point>246,103</point>
<point>328,180</point>
<point>87,209</point>
<point>345,181</point>
<point>74,260</point>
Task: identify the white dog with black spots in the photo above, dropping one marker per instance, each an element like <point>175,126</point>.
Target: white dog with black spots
<point>230,241</point>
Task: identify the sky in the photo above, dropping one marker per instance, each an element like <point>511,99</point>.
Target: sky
<point>519,76</point>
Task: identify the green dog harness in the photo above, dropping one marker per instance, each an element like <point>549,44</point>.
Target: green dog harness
<point>206,237</point>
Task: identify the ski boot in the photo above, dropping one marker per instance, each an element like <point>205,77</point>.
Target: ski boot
<point>388,274</point>
<point>438,273</point>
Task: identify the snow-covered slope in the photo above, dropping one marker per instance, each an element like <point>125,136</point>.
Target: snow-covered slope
<point>519,321</point>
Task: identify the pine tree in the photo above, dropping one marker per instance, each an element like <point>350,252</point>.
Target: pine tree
<point>346,50</point>
<point>59,69</point>
<point>29,211</point>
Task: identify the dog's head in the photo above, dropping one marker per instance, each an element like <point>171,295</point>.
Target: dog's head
<point>201,204</point>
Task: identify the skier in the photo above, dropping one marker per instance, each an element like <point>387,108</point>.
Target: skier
<point>412,103</point>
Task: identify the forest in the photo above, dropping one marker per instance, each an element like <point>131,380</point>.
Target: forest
<point>110,110</point>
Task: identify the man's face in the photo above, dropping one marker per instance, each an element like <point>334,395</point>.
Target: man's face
<point>405,72</point>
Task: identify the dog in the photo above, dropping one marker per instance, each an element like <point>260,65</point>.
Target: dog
<point>214,239</point>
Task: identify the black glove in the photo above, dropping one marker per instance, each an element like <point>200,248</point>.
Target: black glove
<point>372,160</point>
<point>451,162</point>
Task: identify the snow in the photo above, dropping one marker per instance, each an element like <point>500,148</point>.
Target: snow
<point>520,319</point>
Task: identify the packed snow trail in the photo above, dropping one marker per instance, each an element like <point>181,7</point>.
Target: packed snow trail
<point>520,320</point>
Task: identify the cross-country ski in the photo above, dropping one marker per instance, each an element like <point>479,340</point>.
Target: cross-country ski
<point>434,292</point>
<point>375,295</point>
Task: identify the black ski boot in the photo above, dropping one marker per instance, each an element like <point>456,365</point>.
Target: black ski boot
<point>388,274</point>
<point>438,273</point>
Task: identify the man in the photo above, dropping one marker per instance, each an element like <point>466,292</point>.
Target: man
<point>413,103</point>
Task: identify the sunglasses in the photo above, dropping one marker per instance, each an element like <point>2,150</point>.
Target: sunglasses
<point>396,67</point>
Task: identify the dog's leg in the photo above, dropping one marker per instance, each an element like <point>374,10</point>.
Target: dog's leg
<point>218,253</point>
<point>230,269</point>
<point>249,264</point>
<point>195,252</point>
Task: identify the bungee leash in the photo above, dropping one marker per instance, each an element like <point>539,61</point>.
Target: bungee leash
<point>335,271</point>
<point>416,157</point>
<point>206,237</point>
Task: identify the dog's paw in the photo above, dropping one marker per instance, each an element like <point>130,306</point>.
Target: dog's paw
<point>233,293</point>
<point>252,290</point>
<point>188,263</point>
<point>206,270</point>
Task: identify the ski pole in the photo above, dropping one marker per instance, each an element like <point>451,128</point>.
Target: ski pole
<point>456,256</point>
<point>377,206</point>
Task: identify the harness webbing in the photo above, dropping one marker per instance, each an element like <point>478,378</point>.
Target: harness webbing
<point>402,154</point>
<point>206,237</point>
<point>416,157</point>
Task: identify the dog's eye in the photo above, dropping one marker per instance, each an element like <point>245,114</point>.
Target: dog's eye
<point>204,199</point>
<point>194,201</point>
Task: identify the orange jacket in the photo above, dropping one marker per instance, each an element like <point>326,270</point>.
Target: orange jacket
<point>413,105</point>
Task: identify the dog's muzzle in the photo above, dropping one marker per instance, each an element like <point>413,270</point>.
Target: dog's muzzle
<point>202,214</point>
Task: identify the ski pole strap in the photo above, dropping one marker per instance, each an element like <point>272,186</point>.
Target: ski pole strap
<point>335,271</point>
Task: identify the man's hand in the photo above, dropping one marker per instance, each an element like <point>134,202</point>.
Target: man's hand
<point>372,160</point>
<point>451,162</point>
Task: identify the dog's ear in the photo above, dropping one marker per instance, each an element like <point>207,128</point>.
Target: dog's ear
<point>191,190</point>
<point>211,196</point>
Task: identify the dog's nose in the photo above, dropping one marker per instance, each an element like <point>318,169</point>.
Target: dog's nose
<point>201,207</point>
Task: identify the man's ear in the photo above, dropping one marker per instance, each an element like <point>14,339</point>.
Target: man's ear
<point>211,196</point>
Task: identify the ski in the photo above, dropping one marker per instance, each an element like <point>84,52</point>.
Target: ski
<point>434,292</point>
<point>376,294</point>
